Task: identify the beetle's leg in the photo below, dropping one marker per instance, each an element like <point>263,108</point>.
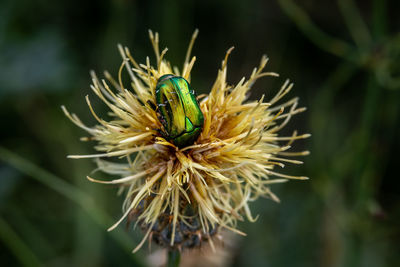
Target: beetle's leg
<point>152,105</point>
<point>200,96</point>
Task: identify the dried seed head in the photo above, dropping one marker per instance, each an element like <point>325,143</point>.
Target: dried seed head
<point>182,195</point>
<point>187,233</point>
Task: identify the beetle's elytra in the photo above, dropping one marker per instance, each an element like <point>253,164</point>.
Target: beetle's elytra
<point>178,110</point>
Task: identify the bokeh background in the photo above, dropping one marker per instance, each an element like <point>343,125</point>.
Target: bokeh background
<point>343,57</point>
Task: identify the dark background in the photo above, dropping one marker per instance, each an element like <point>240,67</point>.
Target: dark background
<point>343,57</point>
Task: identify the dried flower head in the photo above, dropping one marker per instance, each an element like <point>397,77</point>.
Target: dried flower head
<point>181,196</point>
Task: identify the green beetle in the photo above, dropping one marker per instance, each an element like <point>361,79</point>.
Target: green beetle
<point>178,110</point>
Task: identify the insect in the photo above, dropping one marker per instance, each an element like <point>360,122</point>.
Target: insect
<point>178,110</point>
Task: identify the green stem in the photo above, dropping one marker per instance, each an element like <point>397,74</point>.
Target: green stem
<point>321,39</point>
<point>356,25</point>
<point>17,246</point>
<point>69,191</point>
<point>174,257</point>
<point>379,15</point>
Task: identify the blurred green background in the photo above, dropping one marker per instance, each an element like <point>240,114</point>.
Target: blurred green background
<point>342,55</point>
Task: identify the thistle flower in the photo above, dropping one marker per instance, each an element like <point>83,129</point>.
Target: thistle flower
<point>181,195</point>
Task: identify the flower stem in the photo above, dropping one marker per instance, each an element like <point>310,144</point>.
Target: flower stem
<point>174,257</point>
